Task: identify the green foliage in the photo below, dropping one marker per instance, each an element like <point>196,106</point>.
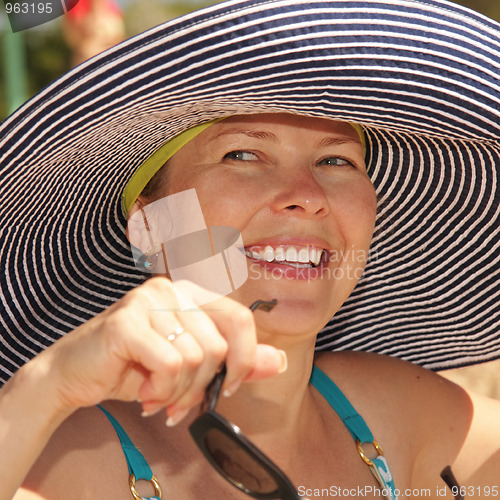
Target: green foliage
<point>490,8</point>
<point>47,57</point>
<point>141,15</point>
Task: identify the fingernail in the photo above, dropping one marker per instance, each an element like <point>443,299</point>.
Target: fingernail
<point>231,388</point>
<point>150,413</point>
<point>284,361</point>
<point>176,417</point>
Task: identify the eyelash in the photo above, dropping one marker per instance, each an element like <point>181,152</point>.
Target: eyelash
<point>237,155</point>
<point>337,158</point>
<point>239,152</point>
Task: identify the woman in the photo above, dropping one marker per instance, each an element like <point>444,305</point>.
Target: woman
<point>278,159</point>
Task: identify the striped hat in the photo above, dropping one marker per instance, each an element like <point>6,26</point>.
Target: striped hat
<point>422,78</point>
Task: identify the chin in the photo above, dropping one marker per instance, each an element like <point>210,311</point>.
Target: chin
<point>296,314</point>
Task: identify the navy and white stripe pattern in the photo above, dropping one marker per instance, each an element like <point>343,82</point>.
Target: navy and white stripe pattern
<point>422,77</point>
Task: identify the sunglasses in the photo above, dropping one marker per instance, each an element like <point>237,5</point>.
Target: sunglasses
<point>231,453</point>
<point>448,477</point>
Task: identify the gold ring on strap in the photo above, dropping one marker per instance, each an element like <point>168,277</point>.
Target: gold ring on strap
<point>135,494</point>
<point>363,454</point>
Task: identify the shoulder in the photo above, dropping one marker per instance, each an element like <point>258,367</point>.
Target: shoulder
<point>386,375</point>
<point>413,411</point>
<point>424,398</point>
<point>83,450</point>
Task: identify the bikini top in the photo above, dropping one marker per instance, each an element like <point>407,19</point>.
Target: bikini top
<point>139,469</point>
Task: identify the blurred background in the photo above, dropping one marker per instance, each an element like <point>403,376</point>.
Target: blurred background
<point>31,59</point>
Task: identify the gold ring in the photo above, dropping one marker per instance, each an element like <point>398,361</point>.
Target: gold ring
<point>363,455</point>
<point>178,331</point>
<point>135,494</point>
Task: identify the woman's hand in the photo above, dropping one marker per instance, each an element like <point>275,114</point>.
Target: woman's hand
<point>124,352</point>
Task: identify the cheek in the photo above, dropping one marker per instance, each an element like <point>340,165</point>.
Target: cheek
<point>355,206</point>
<point>224,200</point>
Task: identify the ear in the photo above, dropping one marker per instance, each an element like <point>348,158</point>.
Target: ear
<point>148,254</point>
<point>136,207</point>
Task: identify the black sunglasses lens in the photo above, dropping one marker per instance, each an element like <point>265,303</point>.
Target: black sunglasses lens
<point>237,464</point>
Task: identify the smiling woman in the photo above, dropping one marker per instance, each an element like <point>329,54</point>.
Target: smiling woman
<point>262,133</point>
<point>291,185</point>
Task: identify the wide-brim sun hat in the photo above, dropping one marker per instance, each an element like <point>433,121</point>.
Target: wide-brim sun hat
<point>422,78</point>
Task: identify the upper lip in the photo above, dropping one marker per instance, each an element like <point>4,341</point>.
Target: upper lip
<point>300,241</point>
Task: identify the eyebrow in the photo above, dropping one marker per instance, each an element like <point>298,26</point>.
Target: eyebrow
<point>262,134</point>
<point>254,134</point>
<point>336,141</point>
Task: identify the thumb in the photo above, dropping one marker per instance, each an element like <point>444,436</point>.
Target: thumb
<point>269,361</point>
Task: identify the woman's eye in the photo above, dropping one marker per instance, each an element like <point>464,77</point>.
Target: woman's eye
<point>241,156</point>
<point>335,161</point>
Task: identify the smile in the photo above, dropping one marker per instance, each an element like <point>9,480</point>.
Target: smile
<point>289,255</point>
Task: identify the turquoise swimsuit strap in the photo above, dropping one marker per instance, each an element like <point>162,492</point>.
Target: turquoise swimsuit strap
<point>136,463</point>
<point>336,399</point>
<point>138,466</point>
<point>358,429</point>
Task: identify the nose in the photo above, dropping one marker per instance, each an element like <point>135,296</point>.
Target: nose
<point>301,193</point>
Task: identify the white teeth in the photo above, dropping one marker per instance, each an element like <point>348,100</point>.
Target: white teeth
<point>289,254</point>
<point>279,254</point>
<point>315,256</point>
<point>303,255</point>
<point>269,254</point>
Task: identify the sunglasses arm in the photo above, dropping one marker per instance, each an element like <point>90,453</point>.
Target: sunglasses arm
<point>213,390</point>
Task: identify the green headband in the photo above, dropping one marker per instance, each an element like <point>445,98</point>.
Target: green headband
<point>359,129</point>
<point>148,169</point>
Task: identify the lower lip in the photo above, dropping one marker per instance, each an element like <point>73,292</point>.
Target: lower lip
<point>289,272</point>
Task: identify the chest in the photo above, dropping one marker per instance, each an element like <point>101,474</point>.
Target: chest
<point>320,469</point>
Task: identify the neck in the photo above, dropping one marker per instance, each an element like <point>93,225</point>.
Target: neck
<point>273,407</point>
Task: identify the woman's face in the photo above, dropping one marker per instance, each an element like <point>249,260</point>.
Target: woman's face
<point>297,190</point>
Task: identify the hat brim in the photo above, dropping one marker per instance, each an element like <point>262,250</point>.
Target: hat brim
<point>421,77</point>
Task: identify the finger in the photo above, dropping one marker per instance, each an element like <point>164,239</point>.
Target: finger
<point>236,324</point>
<point>223,330</point>
<point>161,363</point>
<point>213,347</point>
<point>269,362</point>
<point>233,321</point>
<point>200,345</point>
<point>194,358</point>
<point>149,315</point>
<point>162,305</point>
